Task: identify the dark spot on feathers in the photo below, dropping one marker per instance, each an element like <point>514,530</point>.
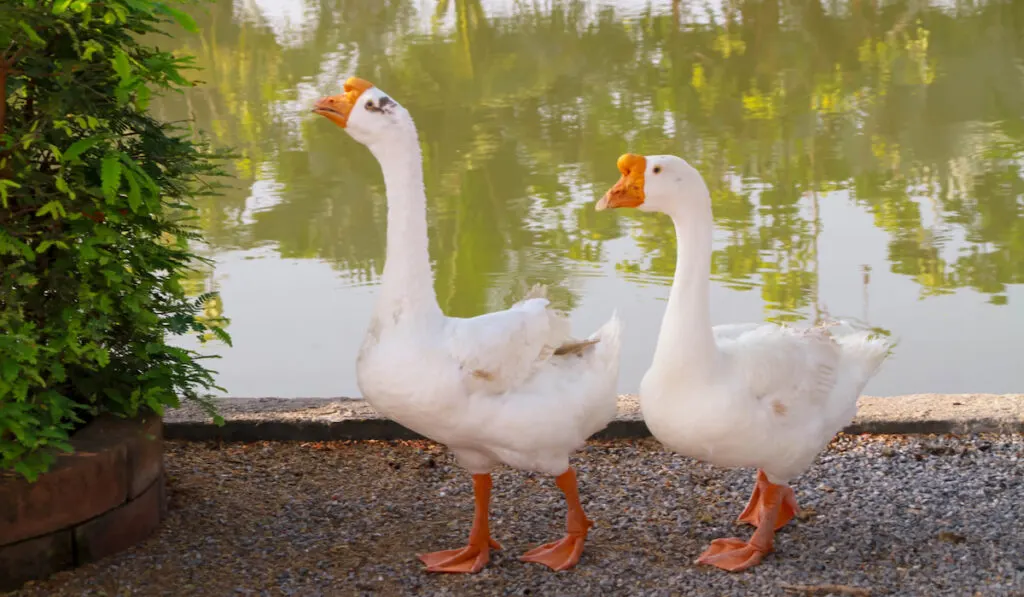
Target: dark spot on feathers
<point>374,330</point>
<point>574,347</point>
<point>481,374</point>
<point>386,105</point>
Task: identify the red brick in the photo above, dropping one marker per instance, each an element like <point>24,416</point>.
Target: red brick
<point>143,437</point>
<point>163,496</point>
<point>146,456</point>
<point>35,559</point>
<point>79,487</point>
<point>121,528</point>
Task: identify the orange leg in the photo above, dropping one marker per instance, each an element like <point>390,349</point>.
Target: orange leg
<point>564,553</point>
<point>475,555</point>
<point>754,512</point>
<point>736,554</point>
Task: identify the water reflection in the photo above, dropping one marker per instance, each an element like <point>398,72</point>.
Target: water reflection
<point>846,145</point>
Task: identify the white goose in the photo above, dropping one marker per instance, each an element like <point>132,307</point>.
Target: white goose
<point>755,395</point>
<point>508,387</point>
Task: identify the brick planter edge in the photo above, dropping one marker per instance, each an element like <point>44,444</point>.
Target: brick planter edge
<point>104,498</point>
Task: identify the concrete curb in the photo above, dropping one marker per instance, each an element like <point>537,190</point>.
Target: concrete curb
<point>327,419</point>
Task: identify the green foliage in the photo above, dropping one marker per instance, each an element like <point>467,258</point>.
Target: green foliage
<point>95,223</point>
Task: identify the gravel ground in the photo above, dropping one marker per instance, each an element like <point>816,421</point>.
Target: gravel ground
<point>892,515</point>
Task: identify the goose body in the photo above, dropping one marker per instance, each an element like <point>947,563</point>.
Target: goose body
<point>491,387</point>
<point>750,395</point>
<point>775,396</point>
<point>510,387</point>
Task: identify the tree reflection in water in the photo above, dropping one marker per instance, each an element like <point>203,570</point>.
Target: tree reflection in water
<point>909,110</point>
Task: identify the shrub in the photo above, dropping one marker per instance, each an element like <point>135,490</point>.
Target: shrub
<point>94,224</point>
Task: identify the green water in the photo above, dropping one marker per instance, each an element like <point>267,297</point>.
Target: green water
<point>865,160</point>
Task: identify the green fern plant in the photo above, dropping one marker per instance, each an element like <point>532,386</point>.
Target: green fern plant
<point>95,224</point>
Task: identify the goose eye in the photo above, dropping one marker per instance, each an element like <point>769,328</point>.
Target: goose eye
<point>369,103</point>
<point>657,169</point>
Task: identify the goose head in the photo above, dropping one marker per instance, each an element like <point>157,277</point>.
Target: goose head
<point>368,114</point>
<point>658,183</point>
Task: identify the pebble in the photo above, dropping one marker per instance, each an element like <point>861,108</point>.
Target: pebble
<point>882,515</point>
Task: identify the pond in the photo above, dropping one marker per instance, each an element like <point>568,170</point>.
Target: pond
<point>866,161</point>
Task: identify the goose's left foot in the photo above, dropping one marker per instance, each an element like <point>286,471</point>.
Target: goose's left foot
<point>558,555</point>
<point>755,510</point>
<point>736,554</point>
<point>732,554</point>
<point>564,553</point>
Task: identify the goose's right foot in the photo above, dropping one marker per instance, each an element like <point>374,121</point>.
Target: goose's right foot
<point>474,556</point>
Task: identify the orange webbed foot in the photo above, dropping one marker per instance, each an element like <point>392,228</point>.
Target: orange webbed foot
<point>558,555</point>
<point>469,559</point>
<point>735,554</point>
<point>732,554</point>
<point>475,555</point>
<point>564,553</point>
<point>755,511</point>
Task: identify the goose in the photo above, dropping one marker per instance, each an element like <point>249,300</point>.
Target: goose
<point>510,387</point>
<point>750,395</point>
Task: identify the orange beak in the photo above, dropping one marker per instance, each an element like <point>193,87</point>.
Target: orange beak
<point>337,107</point>
<point>629,191</point>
